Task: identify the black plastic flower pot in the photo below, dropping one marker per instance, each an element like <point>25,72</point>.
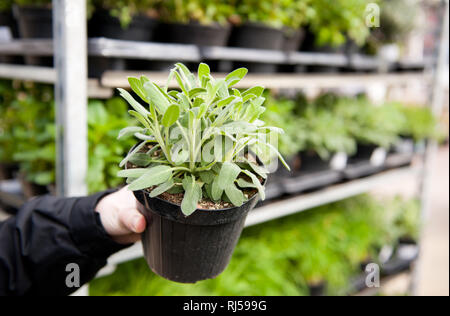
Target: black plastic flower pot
<point>363,164</point>
<point>253,35</point>
<point>292,39</point>
<point>401,154</point>
<point>309,44</point>
<point>258,36</point>
<point>141,29</point>
<point>8,170</point>
<point>7,19</point>
<point>190,33</point>
<point>194,248</point>
<point>35,22</point>
<point>311,161</point>
<point>194,33</point>
<point>310,172</point>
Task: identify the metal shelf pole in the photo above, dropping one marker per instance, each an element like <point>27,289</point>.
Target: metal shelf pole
<point>437,105</point>
<point>70,51</point>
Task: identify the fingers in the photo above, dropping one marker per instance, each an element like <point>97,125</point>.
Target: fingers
<point>128,239</point>
<point>132,220</point>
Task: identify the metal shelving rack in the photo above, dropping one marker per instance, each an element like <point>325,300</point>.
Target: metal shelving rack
<point>71,48</point>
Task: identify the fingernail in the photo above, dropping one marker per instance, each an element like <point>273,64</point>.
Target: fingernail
<point>136,222</point>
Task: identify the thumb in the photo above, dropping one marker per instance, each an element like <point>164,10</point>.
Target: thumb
<point>132,220</point>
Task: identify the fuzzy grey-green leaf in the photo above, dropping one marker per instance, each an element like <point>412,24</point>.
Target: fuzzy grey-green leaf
<point>138,88</point>
<point>164,187</point>
<point>171,116</point>
<point>235,195</point>
<point>236,76</point>
<point>157,97</point>
<point>135,104</point>
<point>192,195</point>
<point>153,176</point>
<point>228,175</point>
<point>132,173</point>
<point>128,131</point>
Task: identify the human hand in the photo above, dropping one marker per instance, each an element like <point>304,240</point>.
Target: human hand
<point>120,216</point>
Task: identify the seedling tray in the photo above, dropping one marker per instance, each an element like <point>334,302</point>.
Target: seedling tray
<point>359,169</point>
<point>310,180</point>
<point>274,187</point>
<point>397,160</point>
<point>402,260</point>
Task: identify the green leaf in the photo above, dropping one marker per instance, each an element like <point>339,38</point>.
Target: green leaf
<point>260,171</point>
<point>216,191</point>
<point>134,151</point>
<point>144,137</point>
<point>176,189</point>
<point>153,176</point>
<point>128,131</point>
<point>132,173</point>
<point>166,186</point>
<point>171,116</point>
<point>187,75</point>
<point>134,104</point>
<point>137,86</point>
<point>235,195</point>
<point>157,97</point>
<point>183,101</point>
<point>226,101</point>
<point>236,76</point>
<point>140,118</point>
<point>192,195</point>
<point>141,159</point>
<point>195,92</point>
<point>181,83</point>
<point>248,97</point>
<point>258,91</point>
<point>212,90</point>
<point>203,71</point>
<point>257,184</point>
<point>228,174</point>
<point>207,176</point>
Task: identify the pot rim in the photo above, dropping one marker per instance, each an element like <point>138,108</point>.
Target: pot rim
<point>214,26</point>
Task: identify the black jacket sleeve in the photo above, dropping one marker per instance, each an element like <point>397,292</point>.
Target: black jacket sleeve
<point>46,235</point>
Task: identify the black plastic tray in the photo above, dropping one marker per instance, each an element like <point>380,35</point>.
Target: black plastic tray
<point>309,180</point>
<point>361,169</point>
<point>398,160</point>
<point>274,188</point>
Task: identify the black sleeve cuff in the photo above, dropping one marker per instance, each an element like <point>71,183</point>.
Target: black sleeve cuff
<point>87,230</point>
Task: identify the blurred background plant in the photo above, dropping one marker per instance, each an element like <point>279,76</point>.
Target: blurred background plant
<point>33,3</point>
<point>33,131</point>
<point>27,116</point>
<point>5,5</point>
<point>200,11</point>
<point>334,21</point>
<point>371,124</point>
<point>105,120</point>
<point>125,10</point>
